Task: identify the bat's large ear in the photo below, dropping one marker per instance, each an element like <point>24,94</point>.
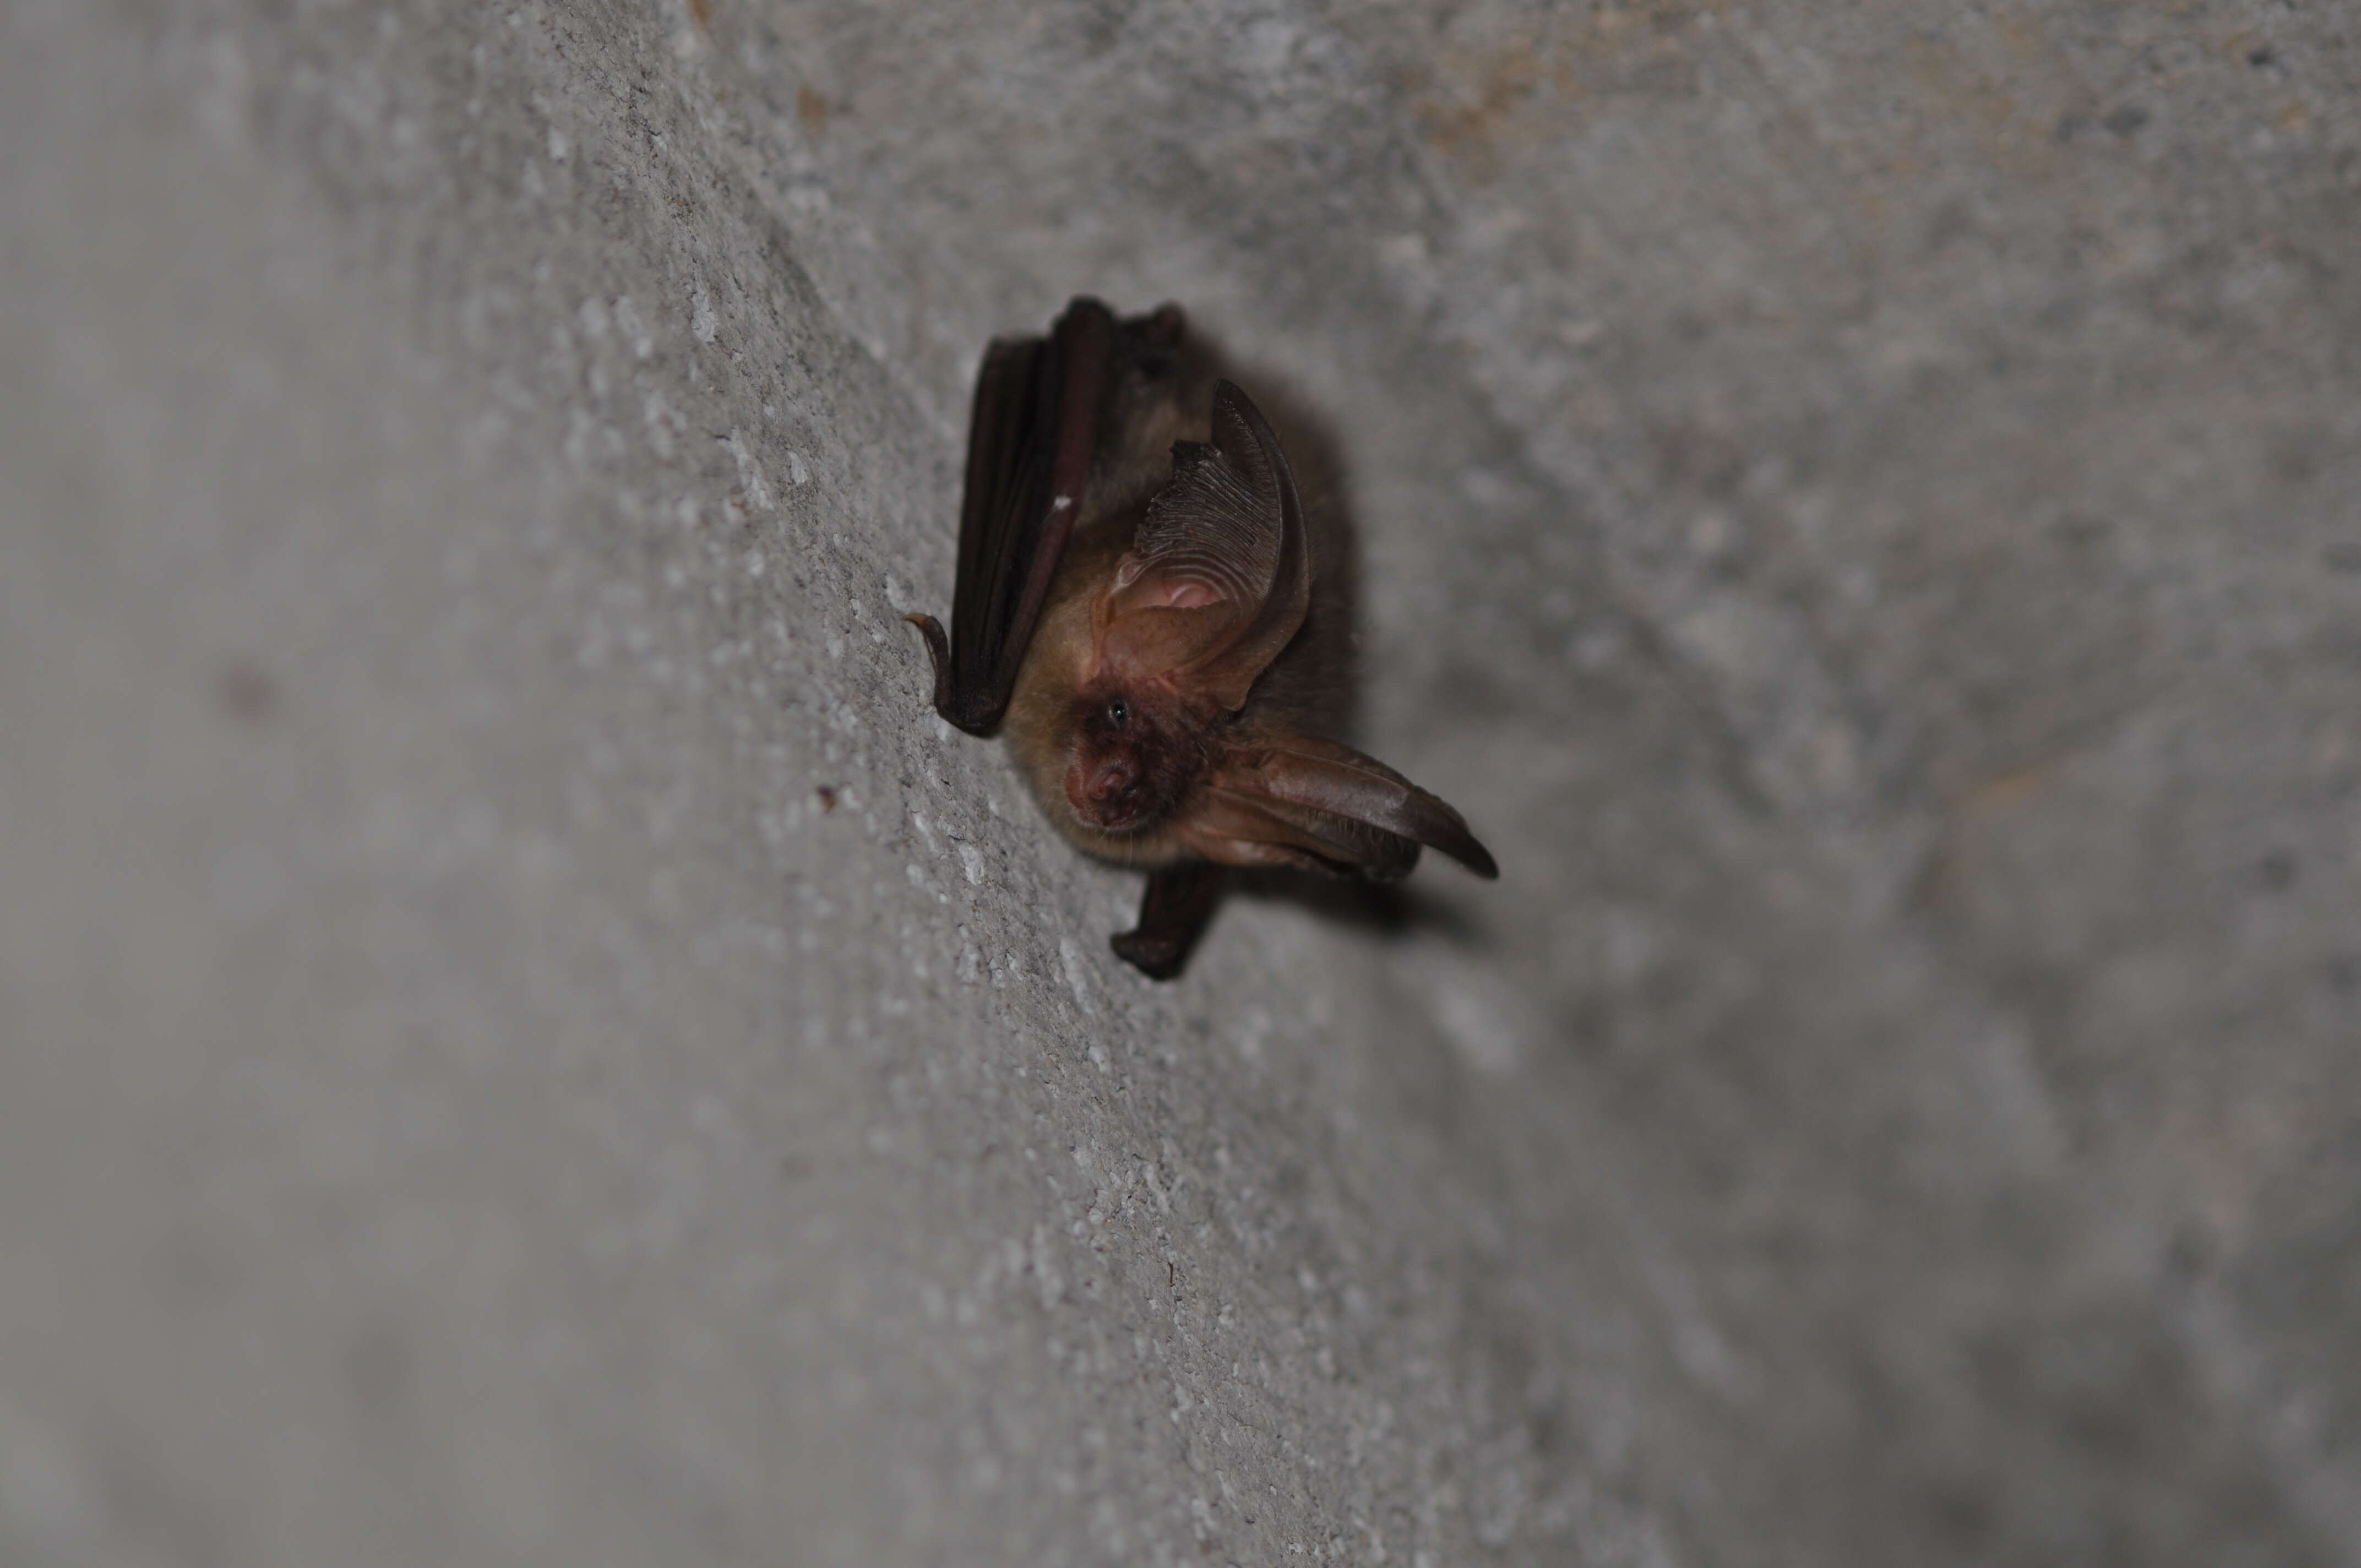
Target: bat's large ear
<point>1324,805</point>
<point>1219,577</point>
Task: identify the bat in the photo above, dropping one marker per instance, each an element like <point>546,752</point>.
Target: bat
<point>1146,609</point>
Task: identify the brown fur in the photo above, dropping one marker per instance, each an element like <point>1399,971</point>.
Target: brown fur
<point>1303,691</point>
<point>1179,694</point>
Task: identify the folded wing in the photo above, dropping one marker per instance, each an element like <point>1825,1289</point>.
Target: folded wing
<point>1031,435</point>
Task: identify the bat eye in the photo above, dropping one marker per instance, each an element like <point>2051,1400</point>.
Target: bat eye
<point>1118,712</point>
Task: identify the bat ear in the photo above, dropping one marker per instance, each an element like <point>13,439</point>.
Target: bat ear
<point>1219,576</point>
<point>1324,805</point>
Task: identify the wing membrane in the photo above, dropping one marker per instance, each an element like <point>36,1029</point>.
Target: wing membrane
<point>1031,434</point>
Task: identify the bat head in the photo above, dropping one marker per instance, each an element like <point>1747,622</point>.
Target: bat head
<point>1215,583</point>
<point>1133,756</point>
<point>1149,737</point>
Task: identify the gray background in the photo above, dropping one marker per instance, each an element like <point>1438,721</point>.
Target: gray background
<point>1858,507</point>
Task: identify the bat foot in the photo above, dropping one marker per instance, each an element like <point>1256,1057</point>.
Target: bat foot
<point>1178,901</point>
<point>1157,957</point>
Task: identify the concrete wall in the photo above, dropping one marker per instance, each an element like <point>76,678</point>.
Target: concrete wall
<point>1858,507</point>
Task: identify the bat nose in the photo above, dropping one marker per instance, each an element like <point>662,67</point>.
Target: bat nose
<point>1110,781</point>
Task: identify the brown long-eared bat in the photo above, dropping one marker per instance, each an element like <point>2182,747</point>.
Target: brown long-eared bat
<point>1144,606</point>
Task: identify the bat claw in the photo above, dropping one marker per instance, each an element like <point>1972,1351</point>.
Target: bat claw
<point>939,647</point>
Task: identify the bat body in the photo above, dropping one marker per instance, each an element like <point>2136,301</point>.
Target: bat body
<point>1146,610</point>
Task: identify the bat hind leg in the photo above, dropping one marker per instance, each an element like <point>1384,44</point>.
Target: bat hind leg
<point>1173,914</point>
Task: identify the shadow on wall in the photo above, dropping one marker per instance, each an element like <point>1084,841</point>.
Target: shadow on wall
<point>1315,450</point>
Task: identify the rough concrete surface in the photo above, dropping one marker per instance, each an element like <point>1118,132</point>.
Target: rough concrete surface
<point>523,1040</point>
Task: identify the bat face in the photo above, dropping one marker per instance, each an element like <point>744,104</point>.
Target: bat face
<point>1109,756</point>
<point>1131,760</point>
<point>1136,612</point>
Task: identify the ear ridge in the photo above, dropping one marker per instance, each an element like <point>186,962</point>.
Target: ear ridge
<point>1209,524</point>
<point>1303,774</point>
<point>1222,544</point>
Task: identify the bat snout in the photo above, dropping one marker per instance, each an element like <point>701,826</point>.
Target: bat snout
<point>1110,781</point>
<point>1104,792</point>
<point>1109,791</point>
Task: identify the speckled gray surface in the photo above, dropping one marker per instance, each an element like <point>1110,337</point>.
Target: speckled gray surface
<point>522,1041</point>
